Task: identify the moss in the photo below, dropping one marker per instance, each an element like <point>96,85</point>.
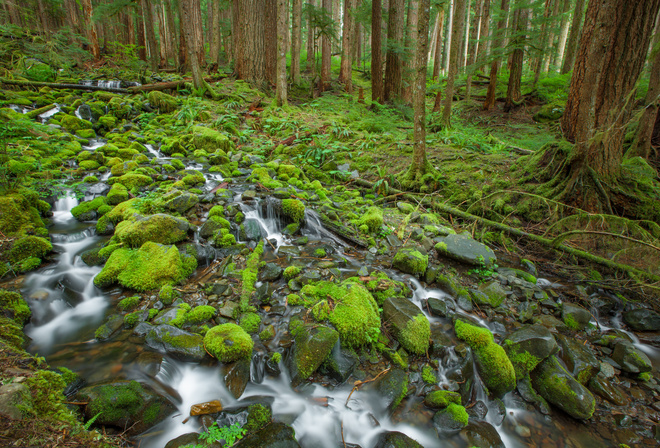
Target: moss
<point>217,210</point>
<point>132,180</point>
<point>292,272</point>
<point>201,314</point>
<point>475,336</point>
<point>267,334</point>
<point>117,194</point>
<point>428,375</point>
<point>167,294</point>
<point>458,413</point>
<point>439,399</point>
<point>228,342</point>
<point>132,319</point>
<point>161,228</point>
<point>166,103</point>
<point>211,140</point>
<point>523,362</point>
<point>249,275</point>
<point>181,315</point>
<point>116,401</point>
<point>294,210</point>
<point>29,246</point>
<point>571,323</point>
<point>373,219</point>
<point>294,300</point>
<point>410,261</point>
<point>417,334</point>
<point>128,303</point>
<point>258,417</point>
<point>14,306</point>
<point>250,322</point>
<point>260,175</point>
<point>276,357</point>
<point>27,265</point>
<point>47,398</point>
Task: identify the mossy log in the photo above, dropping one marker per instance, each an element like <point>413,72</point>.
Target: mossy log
<point>55,85</point>
<point>549,243</point>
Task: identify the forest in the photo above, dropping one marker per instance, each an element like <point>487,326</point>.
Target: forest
<point>329,223</point>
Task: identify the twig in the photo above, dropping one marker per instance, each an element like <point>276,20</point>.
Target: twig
<point>360,383</point>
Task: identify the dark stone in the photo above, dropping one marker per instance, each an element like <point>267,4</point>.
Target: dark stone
<point>642,320</point>
<point>105,331</point>
<point>441,307</point>
<point>445,422</point>
<point>182,203</point>
<point>392,387</point>
<point>394,439</point>
<point>575,317</point>
<point>191,438</point>
<point>176,342</point>
<point>604,388</point>
<point>529,346</point>
<point>91,257</point>
<point>270,272</point>
<point>313,344</point>
<point>339,365</point>
<point>466,250</point>
<point>482,435</point>
<point>236,376</point>
<point>630,358</point>
<point>439,341</point>
<point>579,358</point>
<point>273,435</point>
<point>404,318</point>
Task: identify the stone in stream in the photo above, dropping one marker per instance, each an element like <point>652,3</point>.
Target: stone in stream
<point>441,307</point>
<point>125,405</point>
<point>482,434</point>
<point>339,365</point>
<point>209,407</point>
<point>579,358</point>
<point>411,261</point>
<point>451,419</point>
<point>105,331</point>
<point>160,228</point>
<point>212,225</point>
<point>466,250</point>
<point>408,324</point>
<point>182,203</point>
<point>642,320</point>
<point>575,317</point>
<point>529,346</point>
<point>392,387</point>
<point>630,358</point>
<point>313,344</point>
<point>188,439</point>
<point>273,435</point>
<point>236,376</point>
<point>605,388</point>
<point>395,439</point>
<point>491,294</point>
<point>270,272</point>
<point>176,342</point>
<point>557,386</point>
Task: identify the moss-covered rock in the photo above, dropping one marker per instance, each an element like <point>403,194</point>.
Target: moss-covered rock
<point>313,344</point>
<point>411,261</point>
<point>87,211</point>
<point>117,194</point>
<point>408,324</point>
<point>177,343</point>
<point>550,112</point>
<point>13,306</point>
<point>294,210</point>
<point>29,246</point>
<point>440,399</point>
<point>372,218</point>
<point>162,101</point>
<point>493,365</point>
<point>451,419</point>
<point>133,180</point>
<point>528,346</point>
<point>211,140</point>
<point>73,124</point>
<point>228,342</point>
<point>159,228</point>
<point>150,267</point>
<point>213,225</point>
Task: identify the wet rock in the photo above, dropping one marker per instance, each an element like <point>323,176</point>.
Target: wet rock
<point>105,331</point>
<point>165,316</point>
<point>394,439</point>
<point>124,404</point>
<point>579,358</point>
<point>466,250</point>
<point>411,261</point>
<point>189,439</point>
<point>289,250</point>
<point>91,257</point>
<point>604,388</point>
<point>463,372</point>
<point>482,435</point>
<point>528,394</point>
<point>209,407</point>
<point>270,272</point>
<point>230,310</point>
<point>273,435</point>
<point>557,386</point>
<point>212,225</point>
<point>440,399</point>
<point>340,364</point>
<point>405,207</point>
<point>450,420</point>
<point>439,341</point>
<point>529,346</point>
<point>182,203</point>
<point>441,307</point>
<point>630,358</point>
<point>408,324</point>
<point>602,306</point>
<point>392,387</point>
<point>176,342</point>
<point>492,294</point>
<point>575,317</point>
<point>13,397</point>
<point>642,320</point>
<point>236,376</point>
<point>313,344</point>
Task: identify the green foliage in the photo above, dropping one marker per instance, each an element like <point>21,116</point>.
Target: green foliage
<point>227,434</point>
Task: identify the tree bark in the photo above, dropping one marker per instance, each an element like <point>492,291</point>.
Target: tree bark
<point>393,58</point>
<point>612,50</point>
<point>296,41</point>
<point>457,32</point>
<point>91,29</point>
<point>190,25</point>
<point>410,45</point>
<point>174,39</point>
<point>489,103</point>
<point>513,93</point>
<point>538,65</point>
<point>311,40</point>
<point>476,30</point>
<point>251,55</point>
<point>163,33</point>
<point>282,30</point>
<point>573,37</point>
<point>152,49</point>
<point>449,35</point>
<point>326,51</point>
<point>346,68</point>
<point>645,129</point>
<point>214,34</point>
<point>563,35</point>
<point>376,56</point>
<point>270,40</point>
<point>482,54</point>
<point>437,58</point>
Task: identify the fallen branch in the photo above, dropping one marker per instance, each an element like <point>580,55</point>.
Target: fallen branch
<point>360,383</point>
<point>55,85</point>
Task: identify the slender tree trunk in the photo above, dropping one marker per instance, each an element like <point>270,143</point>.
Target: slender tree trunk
<point>311,38</point>
<point>346,68</point>
<point>214,37</point>
<point>91,29</point>
<point>573,37</point>
<point>270,40</point>
<point>563,35</point>
<point>357,44</point>
<point>462,54</point>
<point>547,57</point>
<point>164,37</point>
<point>376,57</point>
<point>296,41</point>
<point>326,52</point>
<point>409,62</point>
<point>174,39</point>
<point>152,49</point>
<point>476,29</point>
<point>482,54</point>
<point>538,67</point>
<point>437,58</point>
<point>282,30</point>
<point>613,47</point>
<point>393,60</point>
<point>489,103</point>
<point>645,129</point>
<point>449,35</point>
<point>457,32</point>
<point>252,52</point>
<point>190,25</point>
<point>513,93</point>
<point>237,37</point>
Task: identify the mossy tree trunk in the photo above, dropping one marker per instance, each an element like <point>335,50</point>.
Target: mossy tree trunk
<point>437,54</point>
<point>419,166</point>
<point>513,93</point>
<point>410,44</point>
<point>474,46</point>
<point>296,40</point>
<point>326,51</point>
<point>250,50</point>
<point>91,29</point>
<point>394,56</point>
<point>270,40</point>
<point>281,86</point>
<point>345,71</point>
<point>649,119</point>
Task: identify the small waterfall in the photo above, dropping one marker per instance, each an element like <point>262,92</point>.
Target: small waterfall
<point>266,216</point>
<point>315,229</point>
<point>62,210</point>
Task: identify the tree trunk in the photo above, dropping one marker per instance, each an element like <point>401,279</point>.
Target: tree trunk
<point>457,32</point>
<point>437,57</point>
<point>420,166</point>
<point>214,49</point>
<point>376,57</point>
<point>270,40</point>
<point>563,35</point>
<point>489,103</point>
<point>612,50</point>
<point>91,29</point>
<point>547,57</point>
<point>476,30</point>
<point>296,41</point>
<point>449,35</point>
<point>311,39</point>
<point>191,25</point>
<point>513,94</point>
<point>326,51</point>
<point>393,59</point>
<point>164,35</point>
<point>152,49</point>
<point>282,30</point>
<point>482,54</point>
<point>462,54</point>
<point>409,63</point>
<point>645,129</point>
<point>573,37</point>
<point>251,43</point>
<point>174,39</point>
<point>346,68</point>
<point>538,66</point>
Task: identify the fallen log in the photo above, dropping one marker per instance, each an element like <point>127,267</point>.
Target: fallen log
<point>55,85</point>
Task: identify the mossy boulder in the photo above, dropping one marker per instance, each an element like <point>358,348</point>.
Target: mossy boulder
<point>440,399</point>
<point>150,267</point>
<point>228,343</point>
<point>13,306</point>
<point>74,124</point>
<point>392,388</point>
<point>642,319</point>
<point>293,209</point>
<point>528,346</point>
<point>395,439</point>
<point>493,365</point>
<point>550,112</point>
<point>182,203</point>
<point>557,386</point>
<point>630,358</point>
<point>211,140</point>
<point>372,218</point>
<point>124,404</point>
<point>579,358</point>
<point>162,101</point>
<point>411,261</point>
<point>27,247</point>
<point>117,194</point>
<point>574,316</point>
<point>134,180</point>
<point>213,225</point>
<point>159,228</point>
<point>313,344</point>
<point>451,419</point>
<point>463,248</point>
<point>408,324</point>
<point>177,343</point>
<point>87,210</point>
<point>492,294</point>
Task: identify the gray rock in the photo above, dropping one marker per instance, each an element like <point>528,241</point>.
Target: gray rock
<point>313,344</point>
<point>273,435</point>
<point>466,250</point>
<point>528,346</point>
<point>579,358</point>
<point>105,331</point>
<point>392,388</point>
<point>606,389</point>
<point>441,307</point>
<point>12,397</point>
<point>494,292</point>
<point>182,203</point>
<point>394,439</point>
<point>575,317</point>
<point>339,365</point>
<point>408,324</point>
<point>236,376</point>
<point>176,342</point>
<point>445,422</point>
<point>642,320</point>
<point>411,261</point>
<point>630,358</point>
<point>482,434</point>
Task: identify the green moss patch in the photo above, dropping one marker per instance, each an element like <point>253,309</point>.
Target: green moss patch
<point>228,343</point>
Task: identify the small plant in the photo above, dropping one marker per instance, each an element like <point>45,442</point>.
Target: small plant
<point>227,434</point>
<point>483,270</point>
